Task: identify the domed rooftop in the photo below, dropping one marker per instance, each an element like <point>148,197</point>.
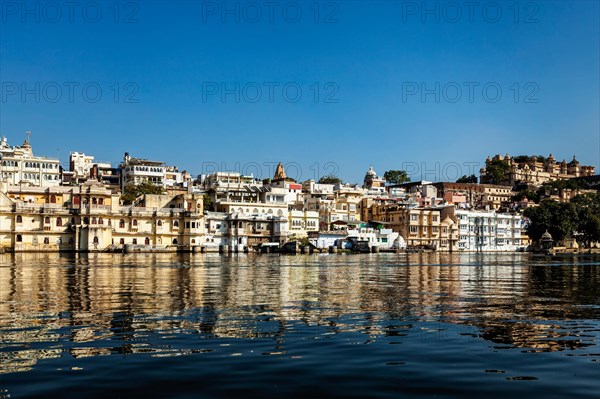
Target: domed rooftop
<point>371,172</point>
<point>546,236</point>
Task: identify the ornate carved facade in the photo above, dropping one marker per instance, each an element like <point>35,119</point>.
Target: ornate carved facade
<point>530,170</point>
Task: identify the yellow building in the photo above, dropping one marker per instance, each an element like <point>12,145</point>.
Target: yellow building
<point>531,170</point>
<point>431,227</point>
<point>90,218</point>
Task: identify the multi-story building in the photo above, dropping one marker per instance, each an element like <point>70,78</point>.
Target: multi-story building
<point>136,171</point>
<point>89,217</point>
<point>302,223</point>
<point>489,231</point>
<point>431,227</point>
<point>473,195</point>
<point>373,184</point>
<point>532,171</point>
<point>81,165</point>
<point>19,166</point>
<point>319,198</point>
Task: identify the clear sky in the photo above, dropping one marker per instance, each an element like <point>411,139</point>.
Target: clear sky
<point>323,87</point>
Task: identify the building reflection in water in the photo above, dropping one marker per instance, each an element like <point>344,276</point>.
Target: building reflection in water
<point>91,305</point>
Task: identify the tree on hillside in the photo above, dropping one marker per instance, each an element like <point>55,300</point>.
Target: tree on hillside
<point>330,179</point>
<point>132,191</point>
<point>496,170</point>
<point>467,179</point>
<point>396,176</point>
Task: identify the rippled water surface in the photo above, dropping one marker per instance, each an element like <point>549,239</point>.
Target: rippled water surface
<point>381,325</point>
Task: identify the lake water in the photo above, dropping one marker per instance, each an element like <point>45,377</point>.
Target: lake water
<point>365,326</point>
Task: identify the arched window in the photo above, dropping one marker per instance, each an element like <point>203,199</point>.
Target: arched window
<point>159,223</point>
<point>96,240</point>
<point>122,241</point>
<point>19,219</point>
<point>58,221</point>
<point>46,240</point>
<point>193,240</point>
<point>94,201</point>
<point>121,224</point>
<point>94,221</point>
<point>135,222</point>
<point>147,241</point>
<point>100,201</point>
<point>175,223</point>
<point>47,220</point>
<point>175,241</point>
<point>19,238</point>
<point>86,220</point>
<point>53,199</point>
<point>134,241</point>
<point>100,221</point>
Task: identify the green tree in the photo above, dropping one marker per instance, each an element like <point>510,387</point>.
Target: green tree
<point>132,191</point>
<point>330,179</point>
<point>587,207</point>
<point>495,171</point>
<point>208,203</point>
<point>559,219</point>
<point>396,176</point>
<point>530,195</point>
<point>467,179</point>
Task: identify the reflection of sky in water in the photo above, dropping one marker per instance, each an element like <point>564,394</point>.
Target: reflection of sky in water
<point>162,305</point>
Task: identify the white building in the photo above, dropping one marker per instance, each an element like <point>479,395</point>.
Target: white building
<point>136,171</point>
<point>80,164</point>
<point>489,231</point>
<point>20,166</point>
<point>303,222</point>
<point>382,238</point>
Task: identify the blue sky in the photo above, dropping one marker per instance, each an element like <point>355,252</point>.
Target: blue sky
<point>400,85</point>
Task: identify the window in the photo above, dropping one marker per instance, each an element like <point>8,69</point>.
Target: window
<point>94,221</point>
<point>121,224</point>
<point>96,241</point>
<point>159,223</point>
<point>175,241</point>
<point>19,238</point>
<point>147,241</point>
<point>86,220</point>
<point>19,219</point>
<point>58,222</point>
<point>134,222</point>
<point>413,229</point>
<point>175,223</point>
<point>134,241</point>
<point>46,240</point>
<point>100,221</point>
<point>47,220</point>
<point>122,241</point>
<point>414,217</point>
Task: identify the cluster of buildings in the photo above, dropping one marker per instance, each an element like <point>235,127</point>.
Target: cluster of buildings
<point>44,207</point>
<point>525,170</point>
